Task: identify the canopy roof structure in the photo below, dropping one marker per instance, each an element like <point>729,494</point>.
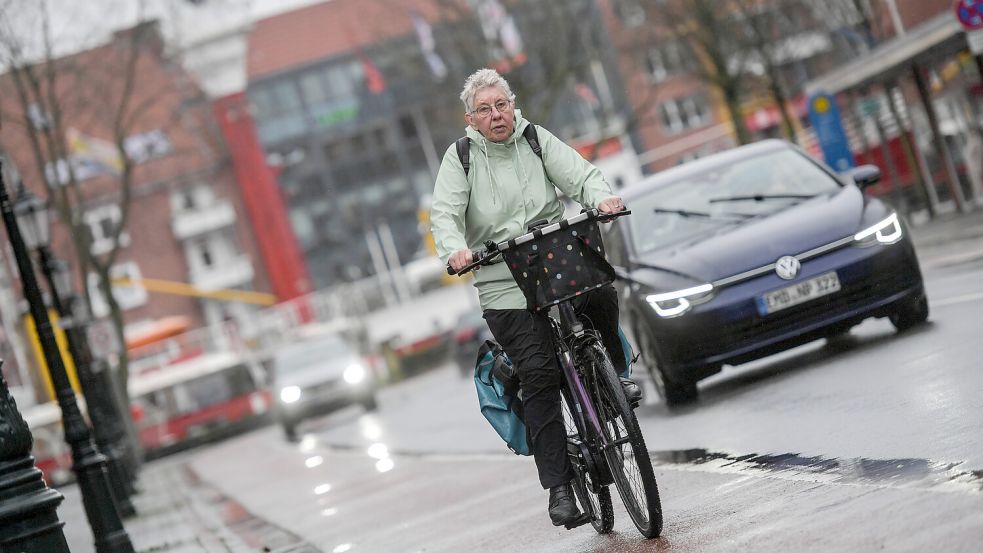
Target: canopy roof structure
<point>936,38</point>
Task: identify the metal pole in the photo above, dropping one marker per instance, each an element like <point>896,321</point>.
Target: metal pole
<point>103,409</point>
<point>89,465</point>
<point>28,507</point>
<point>952,178</point>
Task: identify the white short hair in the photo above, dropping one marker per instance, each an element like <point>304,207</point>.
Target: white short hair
<point>481,79</point>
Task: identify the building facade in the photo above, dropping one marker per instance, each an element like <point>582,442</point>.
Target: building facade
<point>175,203</point>
<point>355,104</point>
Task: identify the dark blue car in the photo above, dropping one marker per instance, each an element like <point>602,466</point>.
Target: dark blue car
<point>753,251</point>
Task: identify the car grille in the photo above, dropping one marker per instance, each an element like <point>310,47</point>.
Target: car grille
<point>719,336</point>
<point>846,299</point>
<point>324,387</point>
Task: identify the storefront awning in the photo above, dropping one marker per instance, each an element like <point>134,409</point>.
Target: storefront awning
<point>937,37</point>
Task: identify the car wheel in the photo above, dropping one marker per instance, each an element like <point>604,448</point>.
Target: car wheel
<point>370,403</point>
<point>290,431</point>
<point>911,314</point>
<point>672,393</point>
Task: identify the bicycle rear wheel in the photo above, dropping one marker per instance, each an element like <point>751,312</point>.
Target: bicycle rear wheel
<point>597,504</point>
<point>626,454</point>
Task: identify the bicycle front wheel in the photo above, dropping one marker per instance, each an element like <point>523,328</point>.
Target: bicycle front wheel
<point>626,454</point>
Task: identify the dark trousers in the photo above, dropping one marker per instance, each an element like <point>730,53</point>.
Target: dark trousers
<point>526,338</point>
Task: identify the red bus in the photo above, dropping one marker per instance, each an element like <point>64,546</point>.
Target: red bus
<point>202,399</point>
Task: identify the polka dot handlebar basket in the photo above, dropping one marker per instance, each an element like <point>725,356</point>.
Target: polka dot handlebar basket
<point>560,265</point>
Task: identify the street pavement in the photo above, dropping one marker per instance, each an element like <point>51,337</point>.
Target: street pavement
<point>427,476</point>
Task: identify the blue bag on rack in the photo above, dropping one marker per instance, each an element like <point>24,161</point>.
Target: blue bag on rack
<point>498,397</point>
<point>497,384</point>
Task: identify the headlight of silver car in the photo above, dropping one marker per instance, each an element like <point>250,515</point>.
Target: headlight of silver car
<point>290,394</point>
<point>674,304</point>
<point>354,373</point>
<point>886,231</point>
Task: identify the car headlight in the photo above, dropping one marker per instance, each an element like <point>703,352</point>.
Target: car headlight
<point>887,231</point>
<point>674,304</point>
<point>290,394</point>
<point>354,374</point>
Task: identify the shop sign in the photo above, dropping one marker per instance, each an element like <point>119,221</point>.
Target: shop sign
<point>975,40</point>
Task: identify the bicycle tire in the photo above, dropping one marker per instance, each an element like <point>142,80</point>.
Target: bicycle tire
<point>597,505</point>
<point>639,491</point>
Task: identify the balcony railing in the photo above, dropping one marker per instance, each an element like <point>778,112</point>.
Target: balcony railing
<point>195,222</point>
<point>224,274</point>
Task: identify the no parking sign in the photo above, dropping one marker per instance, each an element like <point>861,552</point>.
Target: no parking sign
<point>970,16</point>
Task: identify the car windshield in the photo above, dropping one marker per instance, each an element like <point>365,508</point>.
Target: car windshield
<point>703,203</point>
<point>303,355</point>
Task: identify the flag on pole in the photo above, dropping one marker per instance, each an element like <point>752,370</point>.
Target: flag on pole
<point>374,80</point>
<point>424,32</point>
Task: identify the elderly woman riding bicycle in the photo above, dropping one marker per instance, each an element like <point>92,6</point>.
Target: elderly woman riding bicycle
<point>507,186</point>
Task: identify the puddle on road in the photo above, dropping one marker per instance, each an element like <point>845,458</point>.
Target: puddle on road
<point>919,473</point>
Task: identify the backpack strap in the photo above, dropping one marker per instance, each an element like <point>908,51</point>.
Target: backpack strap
<point>464,153</point>
<point>463,146</point>
<point>530,134</point>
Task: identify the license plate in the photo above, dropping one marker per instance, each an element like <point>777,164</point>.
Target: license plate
<point>800,292</point>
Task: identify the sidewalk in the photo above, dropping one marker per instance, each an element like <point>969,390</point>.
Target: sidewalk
<point>950,239</point>
<point>176,513</point>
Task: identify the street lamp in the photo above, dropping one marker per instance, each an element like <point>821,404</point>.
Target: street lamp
<point>95,378</point>
<point>89,465</point>
<point>28,507</point>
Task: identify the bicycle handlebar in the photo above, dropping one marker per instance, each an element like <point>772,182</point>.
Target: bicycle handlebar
<point>492,250</point>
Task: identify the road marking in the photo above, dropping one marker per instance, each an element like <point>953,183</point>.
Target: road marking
<point>957,299</point>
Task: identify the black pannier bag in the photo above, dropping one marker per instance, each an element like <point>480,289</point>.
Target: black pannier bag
<point>560,265</point>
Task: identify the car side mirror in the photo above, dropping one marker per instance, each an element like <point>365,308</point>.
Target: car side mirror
<point>866,176</point>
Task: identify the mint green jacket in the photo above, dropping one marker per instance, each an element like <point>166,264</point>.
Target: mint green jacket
<point>506,189</point>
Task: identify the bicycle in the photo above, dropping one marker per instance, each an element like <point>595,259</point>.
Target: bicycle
<point>604,441</point>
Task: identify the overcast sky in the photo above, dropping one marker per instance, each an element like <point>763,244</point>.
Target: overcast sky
<point>80,24</point>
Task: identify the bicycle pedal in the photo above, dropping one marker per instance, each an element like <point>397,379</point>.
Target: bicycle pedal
<point>584,519</point>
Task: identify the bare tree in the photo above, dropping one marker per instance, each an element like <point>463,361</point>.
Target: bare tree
<point>708,28</point>
<point>106,89</point>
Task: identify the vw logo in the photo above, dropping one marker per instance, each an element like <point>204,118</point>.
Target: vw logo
<point>787,267</point>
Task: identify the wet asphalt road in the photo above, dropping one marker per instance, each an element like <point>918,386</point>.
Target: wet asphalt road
<point>870,443</point>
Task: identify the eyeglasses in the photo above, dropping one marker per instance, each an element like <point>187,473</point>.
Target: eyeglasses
<point>503,106</point>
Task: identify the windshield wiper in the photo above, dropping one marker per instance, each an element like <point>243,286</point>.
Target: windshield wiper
<point>762,197</point>
<point>687,213</point>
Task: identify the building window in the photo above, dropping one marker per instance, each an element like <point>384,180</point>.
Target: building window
<point>192,198</point>
<point>128,296</point>
<point>102,222</point>
<point>665,60</point>
<point>679,114</point>
<point>629,12</point>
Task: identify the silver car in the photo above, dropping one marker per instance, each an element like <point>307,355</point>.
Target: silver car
<point>319,374</point>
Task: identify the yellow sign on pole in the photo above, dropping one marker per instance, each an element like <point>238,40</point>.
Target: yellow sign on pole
<point>66,358</point>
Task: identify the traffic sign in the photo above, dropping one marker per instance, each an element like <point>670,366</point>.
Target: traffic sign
<point>969,13</point>
<point>825,118</point>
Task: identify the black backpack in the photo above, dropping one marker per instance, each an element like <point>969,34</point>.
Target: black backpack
<point>464,146</point>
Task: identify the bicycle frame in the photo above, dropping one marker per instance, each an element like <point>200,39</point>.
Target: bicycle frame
<point>585,411</point>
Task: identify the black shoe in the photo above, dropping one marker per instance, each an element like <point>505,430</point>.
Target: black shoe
<point>563,509</point>
<point>633,393</point>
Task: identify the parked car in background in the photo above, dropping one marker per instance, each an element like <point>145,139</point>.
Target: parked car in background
<point>749,252</point>
<point>469,332</point>
<point>317,374</point>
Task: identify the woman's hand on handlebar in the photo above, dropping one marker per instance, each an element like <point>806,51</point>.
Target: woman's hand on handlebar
<point>611,205</point>
<point>460,259</point>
